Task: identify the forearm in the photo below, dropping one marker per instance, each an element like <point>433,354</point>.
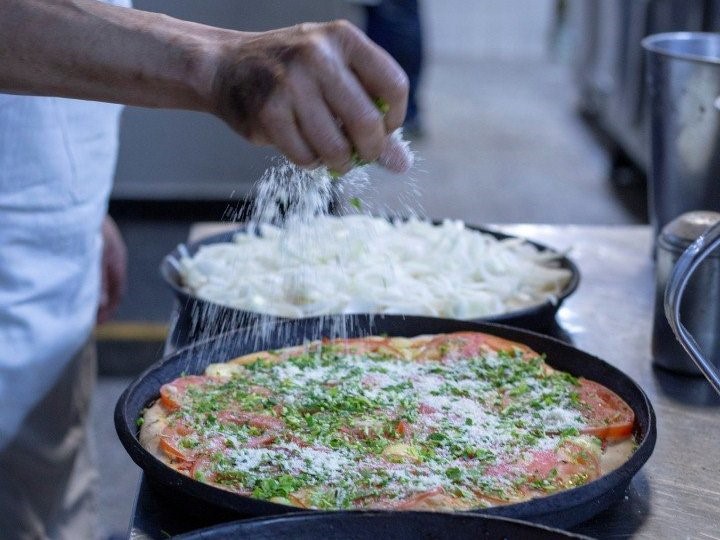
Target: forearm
<point>89,50</point>
<point>308,89</point>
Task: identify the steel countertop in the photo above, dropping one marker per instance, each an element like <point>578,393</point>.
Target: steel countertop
<point>677,493</point>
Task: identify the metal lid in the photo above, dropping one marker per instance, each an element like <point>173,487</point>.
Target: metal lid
<point>685,229</point>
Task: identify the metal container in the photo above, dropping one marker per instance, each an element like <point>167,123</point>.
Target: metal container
<point>700,308</point>
<point>683,81</point>
<point>196,318</point>
<point>698,333</point>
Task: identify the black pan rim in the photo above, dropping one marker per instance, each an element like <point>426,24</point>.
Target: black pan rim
<point>559,502</point>
<point>168,271</point>
<point>303,517</point>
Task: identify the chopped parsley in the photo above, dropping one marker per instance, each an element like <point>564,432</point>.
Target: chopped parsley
<point>331,429</point>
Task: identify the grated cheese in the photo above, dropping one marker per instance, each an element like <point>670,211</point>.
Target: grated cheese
<point>337,409</point>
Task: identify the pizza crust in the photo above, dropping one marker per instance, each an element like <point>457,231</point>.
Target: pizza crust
<point>154,422</point>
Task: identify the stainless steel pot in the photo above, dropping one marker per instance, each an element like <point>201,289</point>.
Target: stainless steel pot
<point>683,81</point>
<point>700,313</point>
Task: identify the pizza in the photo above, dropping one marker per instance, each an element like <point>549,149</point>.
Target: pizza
<point>436,422</point>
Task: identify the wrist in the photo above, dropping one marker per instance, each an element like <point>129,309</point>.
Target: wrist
<point>200,59</point>
<point>190,64</point>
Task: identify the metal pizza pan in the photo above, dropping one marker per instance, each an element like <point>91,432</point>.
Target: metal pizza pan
<point>372,525</point>
<point>563,509</point>
<point>198,318</point>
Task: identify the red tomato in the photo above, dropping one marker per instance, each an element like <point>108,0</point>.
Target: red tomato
<point>302,443</point>
<point>607,415</point>
<point>262,421</point>
<point>568,460</point>
<point>170,445</point>
<point>403,429</point>
<point>424,408</point>
<point>574,459</point>
<point>171,394</point>
<point>568,465</point>
<point>203,467</point>
<point>498,470</point>
<point>541,464</point>
<point>182,429</point>
<point>263,440</point>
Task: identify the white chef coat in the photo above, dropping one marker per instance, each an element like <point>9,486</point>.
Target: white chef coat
<point>57,160</point>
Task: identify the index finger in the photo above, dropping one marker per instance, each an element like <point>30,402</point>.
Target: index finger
<point>379,74</point>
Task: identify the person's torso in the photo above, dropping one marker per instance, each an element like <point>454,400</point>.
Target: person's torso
<point>57,160</point>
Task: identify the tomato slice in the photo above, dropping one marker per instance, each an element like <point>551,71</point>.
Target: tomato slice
<point>607,415</point>
<point>202,469</point>
<point>541,464</point>
<point>577,460</point>
<point>424,408</point>
<point>572,463</point>
<point>170,445</point>
<point>568,461</point>
<point>262,421</point>
<point>403,429</point>
<point>172,393</point>
<point>468,344</point>
<point>263,440</point>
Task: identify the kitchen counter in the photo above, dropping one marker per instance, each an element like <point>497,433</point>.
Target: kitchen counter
<point>677,493</point>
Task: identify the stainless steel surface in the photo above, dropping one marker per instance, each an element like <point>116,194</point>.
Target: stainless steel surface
<point>695,316</point>
<point>676,494</point>
<point>700,308</point>
<point>683,81</point>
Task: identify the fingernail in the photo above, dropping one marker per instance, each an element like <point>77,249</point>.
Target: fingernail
<point>396,155</point>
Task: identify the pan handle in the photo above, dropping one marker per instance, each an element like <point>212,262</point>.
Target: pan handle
<point>688,262</point>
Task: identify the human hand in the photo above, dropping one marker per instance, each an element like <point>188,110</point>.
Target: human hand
<point>114,270</point>
<point>310,90</point>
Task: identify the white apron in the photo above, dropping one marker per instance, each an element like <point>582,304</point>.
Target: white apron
<point>57,160</point>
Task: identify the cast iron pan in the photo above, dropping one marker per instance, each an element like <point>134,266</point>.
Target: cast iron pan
<point>200,319</point>
<point>560,510</point>
<point>379,526</point>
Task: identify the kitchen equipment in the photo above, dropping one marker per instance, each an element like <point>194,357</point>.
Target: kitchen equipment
<point>701,305</point>
<point>374,525</point>
<point>704,321</point>
<point>609,66</point>
<point>561,509</point>
<point>197,318</point>
<point>683,81</point>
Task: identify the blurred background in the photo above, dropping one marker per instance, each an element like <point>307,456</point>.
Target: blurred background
<point>528,111</point>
